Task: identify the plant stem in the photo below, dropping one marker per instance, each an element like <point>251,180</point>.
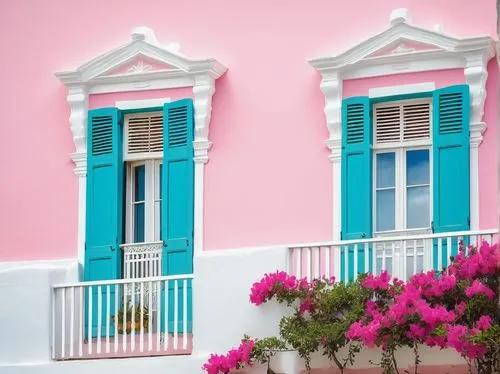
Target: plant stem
<point>394,362</point>
<point>417,359</point>
<point>337,362</point>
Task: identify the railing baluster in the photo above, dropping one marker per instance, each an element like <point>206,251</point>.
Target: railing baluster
<point>72,322</point>
<point>448,250</point>
<point>318,262</point>
<point>89,322</point>
<point>176,313</point>
<point>367,258</point>
<point>80,324</point>
<point>165,342</point>
<point>346,264</point>
<point>384,255</point>
<point>327,261</point>
<point>115,340</point>
<point>151,264</point>
<point>132,265</point>
<point>404,259</point>
<point>143,265</point>
<point>355,275</point>
<point>127,265</point>
<point>150,316</point>
<point>308,264</point>
<point>415,256</point>
<point>141,303</point>
<point>132,319</point>
<point>184,314</point>
<point>63,322</point>
<point>99,318</point>
<point>126,287</point>
<point>53,306</point>
<point>299,263</point>
<point>440,254</point>
<point>158,315</point>
<point>374,259</point>
<point>108,315</point>
<point>393,252</point>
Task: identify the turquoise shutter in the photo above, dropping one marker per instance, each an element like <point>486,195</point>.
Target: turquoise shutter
<point>104,203</point>
<point>451,201</point>
<point>178,196</point>
<point>356,174</point>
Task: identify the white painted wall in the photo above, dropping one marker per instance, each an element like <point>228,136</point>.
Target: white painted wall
<point>25,308</point>
<point>221,310</point>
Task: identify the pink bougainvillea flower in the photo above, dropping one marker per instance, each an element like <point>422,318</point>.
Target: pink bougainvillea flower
<point>234,359</point>
<point>477,288</point>
<point>306,306</point>
<point>274,283</point>
<point>376,283</point>
<point>484,322</point>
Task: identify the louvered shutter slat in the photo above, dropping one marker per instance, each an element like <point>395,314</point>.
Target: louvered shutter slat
<point>145,133</point>
<point>406,121</point>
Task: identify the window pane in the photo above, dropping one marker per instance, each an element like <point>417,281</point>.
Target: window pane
<point>417,167</point>
<point>417,213</point>
<point>385,210</point>
<point>139,223</point>
<point>386,169</point>
<point>139,183</point>
<point>409,265</point>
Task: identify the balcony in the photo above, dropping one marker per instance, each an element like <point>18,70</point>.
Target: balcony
<point>401,256</point>
<point>145,314</point>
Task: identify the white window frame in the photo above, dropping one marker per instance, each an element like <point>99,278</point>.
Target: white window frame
<point>151,184</point>
<point>400,226</point>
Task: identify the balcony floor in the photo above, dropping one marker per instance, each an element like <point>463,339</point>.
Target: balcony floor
<point>120,352</point>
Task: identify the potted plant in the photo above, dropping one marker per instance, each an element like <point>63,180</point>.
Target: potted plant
<point>135,312</point>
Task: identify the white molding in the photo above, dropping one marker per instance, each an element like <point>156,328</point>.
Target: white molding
<point>401,90</point>
<point>139,104</point>
<point>177,70</point>
<point>385,54</point>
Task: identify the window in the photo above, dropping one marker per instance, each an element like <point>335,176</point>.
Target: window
<point>401,180</point>
<point>402,166</point>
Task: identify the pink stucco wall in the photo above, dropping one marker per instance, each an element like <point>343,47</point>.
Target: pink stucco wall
<point>268,180</point>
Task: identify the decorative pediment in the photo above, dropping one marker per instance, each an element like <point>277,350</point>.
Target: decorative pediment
<point>142,54</point>
<point>402,43</point>
<point>139,64</point>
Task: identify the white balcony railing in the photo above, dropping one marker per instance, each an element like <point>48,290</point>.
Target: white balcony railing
<point>401,256</point>
<point>142,260</point>
<point>122,318</point>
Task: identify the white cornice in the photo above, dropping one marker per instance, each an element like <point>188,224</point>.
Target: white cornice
<point>434,45</point>
<point>142,44</point>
